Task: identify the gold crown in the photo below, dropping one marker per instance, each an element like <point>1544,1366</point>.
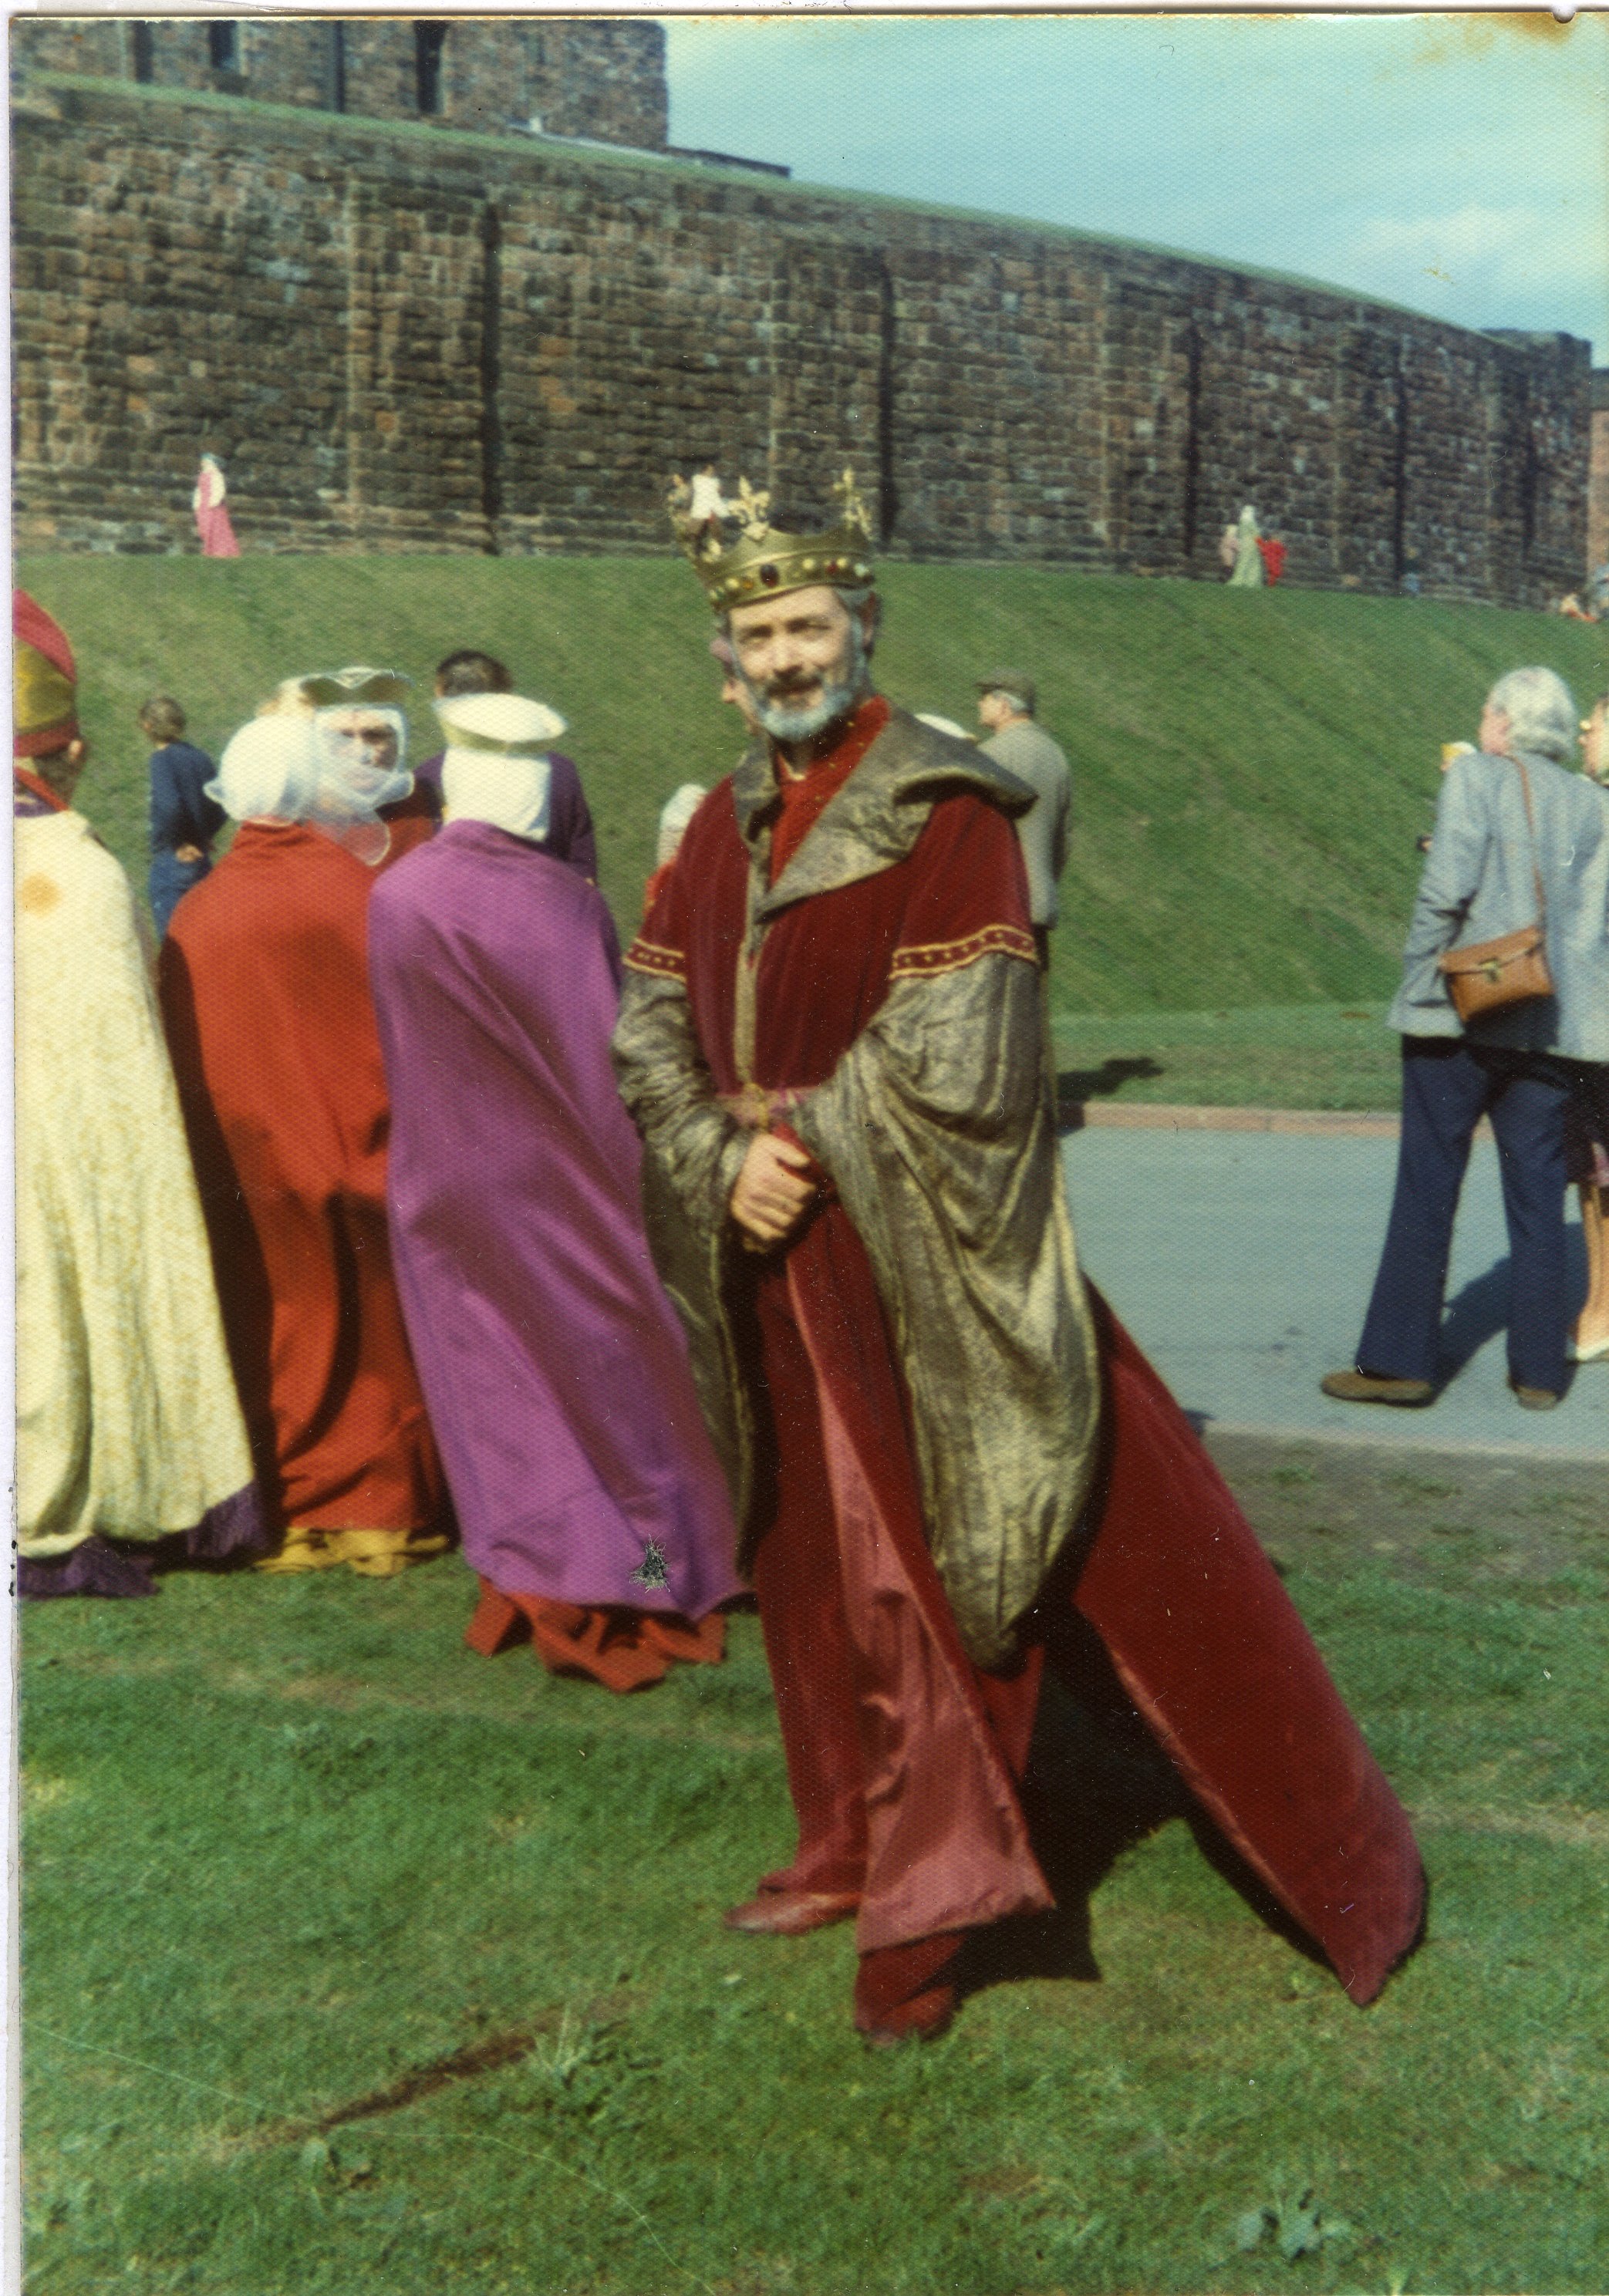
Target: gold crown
<point>760,561</point>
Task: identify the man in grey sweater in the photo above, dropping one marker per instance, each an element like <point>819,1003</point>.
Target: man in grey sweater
<point>1006,703</point>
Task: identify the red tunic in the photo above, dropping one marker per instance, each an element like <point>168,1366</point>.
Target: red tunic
<point>265,994</point>
<point>828,961</point>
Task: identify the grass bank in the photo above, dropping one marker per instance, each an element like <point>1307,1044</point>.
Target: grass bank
<point>356,1962</point>
<point>1318,1056</point>
<point>1252,768</point>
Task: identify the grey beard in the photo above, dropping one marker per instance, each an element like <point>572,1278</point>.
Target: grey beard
<point>785,724</point>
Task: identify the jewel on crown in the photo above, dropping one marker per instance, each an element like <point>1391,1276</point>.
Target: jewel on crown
<point>739,556</point>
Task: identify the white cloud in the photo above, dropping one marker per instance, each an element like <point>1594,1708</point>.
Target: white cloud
<point>1487,266</point>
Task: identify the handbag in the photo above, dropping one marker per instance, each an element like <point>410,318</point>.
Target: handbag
<point>1489,976</point>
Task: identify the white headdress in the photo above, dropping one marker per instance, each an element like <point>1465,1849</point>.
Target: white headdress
<point>269,772</point>
<point>352,787</point>
<point>351,780</point>
<point>496,768</point>
<point>288,766</point>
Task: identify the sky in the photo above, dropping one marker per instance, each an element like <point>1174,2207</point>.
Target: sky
<point>1456,164</point>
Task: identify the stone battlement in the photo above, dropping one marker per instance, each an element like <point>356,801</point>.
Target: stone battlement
<point>596,76</point>
<point>408,335</point>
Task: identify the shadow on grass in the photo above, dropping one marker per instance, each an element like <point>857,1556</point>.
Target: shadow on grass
<point>1098,1784</point>
<point>1074,1087</point>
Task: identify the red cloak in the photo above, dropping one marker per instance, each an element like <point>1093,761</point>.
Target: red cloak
<point>265,994</point>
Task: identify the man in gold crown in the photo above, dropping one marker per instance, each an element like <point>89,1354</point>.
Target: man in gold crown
<point>941,1443</point>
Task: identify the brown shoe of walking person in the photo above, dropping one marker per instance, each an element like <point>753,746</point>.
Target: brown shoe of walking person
<point>1377,1387</point>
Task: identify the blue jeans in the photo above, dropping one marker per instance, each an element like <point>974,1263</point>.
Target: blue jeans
<point>1447,1086</point>
<point>170,878</point>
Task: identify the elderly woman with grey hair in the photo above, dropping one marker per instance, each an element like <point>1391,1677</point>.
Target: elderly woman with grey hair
<point>1512,824</point>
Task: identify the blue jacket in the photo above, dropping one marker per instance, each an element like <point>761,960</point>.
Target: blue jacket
<point>1478,882</point>
<point>181,811</point>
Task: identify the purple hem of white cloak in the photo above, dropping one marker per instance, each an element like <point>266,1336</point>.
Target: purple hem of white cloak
<point>112,1567</point>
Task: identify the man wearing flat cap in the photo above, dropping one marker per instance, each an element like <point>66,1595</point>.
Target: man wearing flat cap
<point>942,1442</point>
<point>1008,702</point>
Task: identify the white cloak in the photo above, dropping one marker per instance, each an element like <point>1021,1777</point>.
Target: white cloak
<point>128,1418</point>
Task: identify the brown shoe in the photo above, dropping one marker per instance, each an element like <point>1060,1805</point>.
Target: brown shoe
<point>791,1913</point>
<point>1374,1387</point>
<point>1533,1398</point>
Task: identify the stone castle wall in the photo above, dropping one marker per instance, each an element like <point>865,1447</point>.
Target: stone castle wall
<point>1597,490</point>
<point>413,338</point>
<point>591,77</point>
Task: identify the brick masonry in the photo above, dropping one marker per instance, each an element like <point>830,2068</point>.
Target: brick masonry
<point>415,336</point>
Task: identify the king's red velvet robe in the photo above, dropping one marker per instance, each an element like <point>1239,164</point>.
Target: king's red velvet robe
<point>938,1441</point>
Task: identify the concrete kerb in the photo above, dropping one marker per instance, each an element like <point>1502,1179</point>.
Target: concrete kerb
<point>1158,1116</point>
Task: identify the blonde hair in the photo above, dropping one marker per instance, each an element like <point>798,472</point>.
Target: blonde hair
<point>288,699</point>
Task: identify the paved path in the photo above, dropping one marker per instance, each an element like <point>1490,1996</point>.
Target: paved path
<point>1242,1259</point>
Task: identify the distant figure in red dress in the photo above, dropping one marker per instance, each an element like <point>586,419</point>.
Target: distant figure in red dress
<point>211,518</point>
<point>1273,556</point>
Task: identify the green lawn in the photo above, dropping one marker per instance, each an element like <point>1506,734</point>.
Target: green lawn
<point>1314,1057</point>
<point>1252,768</point>
<point>355,1962</point>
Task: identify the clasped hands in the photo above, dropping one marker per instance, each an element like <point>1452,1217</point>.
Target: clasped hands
<point>774,1190</point>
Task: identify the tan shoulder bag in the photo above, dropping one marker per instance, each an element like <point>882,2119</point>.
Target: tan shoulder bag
<point>1489,975</point>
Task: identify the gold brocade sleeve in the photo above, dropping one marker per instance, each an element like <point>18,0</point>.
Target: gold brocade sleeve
<point>666,1084</point>
<point>693,1151</point>
<point>936,1130</point>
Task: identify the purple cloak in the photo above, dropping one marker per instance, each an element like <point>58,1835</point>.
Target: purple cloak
<point>553,1363</point>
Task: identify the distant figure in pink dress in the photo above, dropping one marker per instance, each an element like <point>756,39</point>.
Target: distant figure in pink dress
<point>211,518</point>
